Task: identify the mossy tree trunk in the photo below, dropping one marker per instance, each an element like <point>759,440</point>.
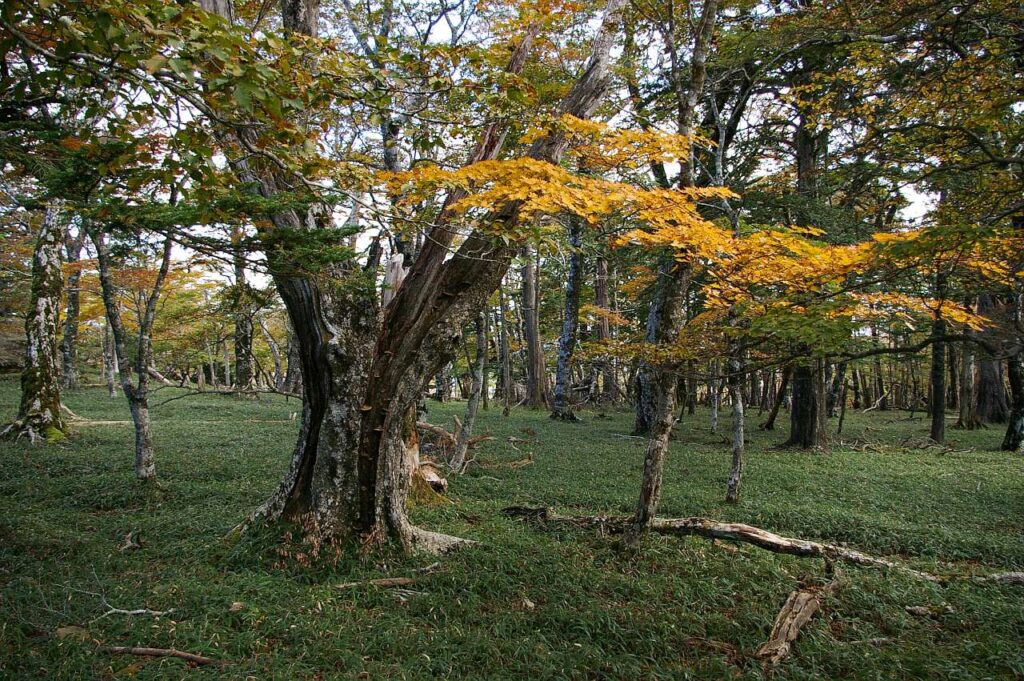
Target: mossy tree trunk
<point>39,414</point>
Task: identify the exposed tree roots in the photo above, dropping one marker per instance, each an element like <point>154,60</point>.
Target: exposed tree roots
<point>711,529</point>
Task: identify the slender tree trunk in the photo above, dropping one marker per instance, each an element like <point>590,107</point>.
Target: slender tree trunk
<point>536,371</point>
<point>937,400</point>
<point>506,356</point>
<point>137,393</point>
<point>714,396</point>
<point>110,368</point>
<point>39,414</point>
<point>243,314</point>
<point>293,370</point>
<point>275,354</point>
<point>462,442</point>
<point>838,381</point>
<point>485,368</point>
<point>672,315</point>
<point>609,387</point>
<point>69,344</point>
<point>732,492</point>
<point>1014,439</point>
<point>645,402</point>
<point>780,397</point>
<point>562,408</point>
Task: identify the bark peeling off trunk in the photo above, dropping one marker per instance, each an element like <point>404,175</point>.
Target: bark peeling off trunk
<point>39,414</point>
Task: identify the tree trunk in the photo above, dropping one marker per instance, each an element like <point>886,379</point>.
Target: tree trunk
<point>937,398</point>
<point>672,314</point>
<point>69,344</point>
<point>293,370</point>
<point>562,408</point>
<point>536,371</point>
<point>506,356</point>
<point>838,381</point>
<point>275,354</point>
<point>39,414</point>
<point>780,397</point>
<point>110,368</point>
<point>462,442</point>
<point>137,393</point>
<point>645,401</point>
<point>243,313</point>
<point>804,417</point>
<point>609,387</point>
<point>732,492</point>
<point>363,372</point>
<point>1014,439</point>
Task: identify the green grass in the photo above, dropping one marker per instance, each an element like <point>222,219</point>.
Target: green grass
<point>527,603</point>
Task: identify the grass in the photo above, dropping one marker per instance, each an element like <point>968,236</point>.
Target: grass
<point>526,604</point>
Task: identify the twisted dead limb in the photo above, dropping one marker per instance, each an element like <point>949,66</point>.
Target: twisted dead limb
<point>161,652</point>
<point>711,529</point>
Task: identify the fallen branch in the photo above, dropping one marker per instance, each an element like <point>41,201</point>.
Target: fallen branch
<point>711,529</point>
<point>161,652</point>
<point>797,611</point>
<point>385,582</point>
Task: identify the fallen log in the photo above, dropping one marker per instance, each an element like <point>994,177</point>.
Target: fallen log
<point>711,529</point>
<point>161,652</point>
<point>798,610</point>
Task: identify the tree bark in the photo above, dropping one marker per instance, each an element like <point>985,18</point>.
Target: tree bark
<point>69,344</point>
<point>536,371</point>
<point>243,314</point>
<point>937,399</point>
<point>1014,439</point>
<point>562,407</point>
<point>732,492</point>
<point>462,441</point>
<point>39,413</point>
<point>780,397</point>
<point>609,387</point>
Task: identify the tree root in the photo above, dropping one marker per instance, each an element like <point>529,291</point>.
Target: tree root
<point>711,529</point>
<point>435,543</point>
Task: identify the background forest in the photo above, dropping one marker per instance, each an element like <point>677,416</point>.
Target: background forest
<point>532,339</point>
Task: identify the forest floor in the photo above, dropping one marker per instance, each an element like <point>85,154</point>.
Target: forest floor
<point>80,538</point>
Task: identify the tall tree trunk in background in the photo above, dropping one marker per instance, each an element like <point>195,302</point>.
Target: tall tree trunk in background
<point>803,415</point>
<point>475,391</point>
<point>1014,439</point>
<point>645,402</point>
<point>967,418</point>
<point>952,377</point>
<point>732,491</point>
<point>110,369</point>
<point>293,369</point>
<point>39,414</point>
<point>992,405</point>
<point>609,387</point>
<point>243,313</point>
<point>672,315</point>
<point>137,393</point>
<point>562,407</point>
<point>780,397</point>
<point>69,344</point>
<point>536,371</point>
<point>937,396</point>
<point>838,381</point>
<point>506,355</point>
<point>275,354</point>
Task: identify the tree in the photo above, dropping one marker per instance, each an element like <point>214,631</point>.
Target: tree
<point>39,414</point>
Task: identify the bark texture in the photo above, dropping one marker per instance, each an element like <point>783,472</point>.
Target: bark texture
<point>562,407</point>
<point>69,344</point>
<point>39,413</point>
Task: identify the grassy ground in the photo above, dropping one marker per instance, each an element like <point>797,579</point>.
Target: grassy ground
<point>526,604</point>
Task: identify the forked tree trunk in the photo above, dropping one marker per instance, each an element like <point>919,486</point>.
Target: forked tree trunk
<point>39,414</point>
<point>69,344</point>
<point>562,407</point>
<point>137,393</point>
<point>363,373</point>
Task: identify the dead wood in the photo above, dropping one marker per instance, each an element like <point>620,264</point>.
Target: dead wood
<point>796,612</point>
<point>161,652</point>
